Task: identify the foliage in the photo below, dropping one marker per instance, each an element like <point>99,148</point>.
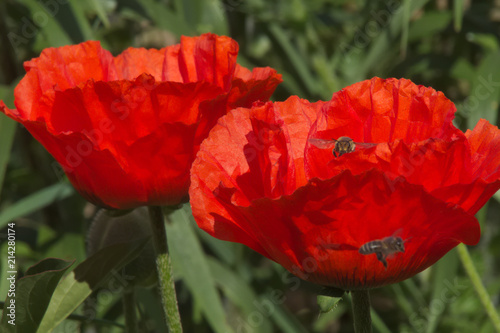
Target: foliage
<point>319,46</point>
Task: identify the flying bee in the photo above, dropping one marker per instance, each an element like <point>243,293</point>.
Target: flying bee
<point>384,247</point>
<point>341,146</point>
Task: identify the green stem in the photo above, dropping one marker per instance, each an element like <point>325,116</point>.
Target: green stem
<point>464,255</point>
<point>129,311</point>
<point>361,311</point>
<point>164,269</point>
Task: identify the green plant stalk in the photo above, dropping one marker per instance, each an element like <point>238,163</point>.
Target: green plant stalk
<point>164,269</point>
<point>129,311</point>
<point>361,311</point>
<point>458,13</point>
<point>474,277</point>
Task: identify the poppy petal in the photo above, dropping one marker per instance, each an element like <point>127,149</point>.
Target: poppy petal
<point>126,129</point>
<point>259,179</point>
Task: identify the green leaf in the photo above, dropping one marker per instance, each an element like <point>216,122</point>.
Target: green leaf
<point>188,257</point>
<point>324,321</point>
<point>213,18</point>
<point>487,41</point>
<point>87,277</point>
<point>414,291</point>
<point>327,303</point>
<point>226,251</point>
<point>293,55</point>
<point>463,69</point>
<point>79,21</point>
<point>151,304</point>
<point>377,52</point>
<point>7,94</point>
<point>190,10</point>
<point>241,294</point>
<point>165,18</point>
<point>98,7</point>
<point>485,92</point>
<point>283,319</point>
<point>430,24</point>
<point>378,323</point>
<point>47,31</point>
<point>7,131</point>
<point>72,245</point>
<point>402,300</point>
<point>33,293</point>
<point>444,272</point>
<point>35,202</point>
<point>497,196</point>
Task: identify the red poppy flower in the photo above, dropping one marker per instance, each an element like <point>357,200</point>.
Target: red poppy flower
<point>126,129</point>
<point>258,180</point>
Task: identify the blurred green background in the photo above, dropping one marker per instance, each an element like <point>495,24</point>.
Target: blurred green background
<point>318,46</point>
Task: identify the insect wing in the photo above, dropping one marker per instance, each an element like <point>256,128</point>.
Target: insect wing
<point>398,233</point>
<point>364,145</point>
<point>340,247</point>
<point>322,144</point>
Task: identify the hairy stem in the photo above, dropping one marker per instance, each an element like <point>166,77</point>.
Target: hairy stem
<point>164,269</point>
<point>361,311</point>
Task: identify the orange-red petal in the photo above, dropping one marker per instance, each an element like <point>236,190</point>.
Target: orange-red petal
<point>126,129</point>
<point>259,181</point>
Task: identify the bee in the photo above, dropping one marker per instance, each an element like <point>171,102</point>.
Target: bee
<point>383,248</point>
<point>341,146</point>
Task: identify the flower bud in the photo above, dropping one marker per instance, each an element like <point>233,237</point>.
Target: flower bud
<point>108,228</point>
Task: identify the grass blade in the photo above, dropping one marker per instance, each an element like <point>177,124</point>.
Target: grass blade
<point>188,256</point>
<point>35,202</point>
